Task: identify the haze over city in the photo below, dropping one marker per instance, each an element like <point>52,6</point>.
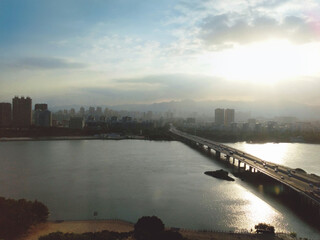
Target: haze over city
<point>132,52</point>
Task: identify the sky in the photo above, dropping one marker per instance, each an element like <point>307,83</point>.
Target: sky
<point>109,52</point>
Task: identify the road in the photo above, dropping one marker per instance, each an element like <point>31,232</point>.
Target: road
<point>294,178</point>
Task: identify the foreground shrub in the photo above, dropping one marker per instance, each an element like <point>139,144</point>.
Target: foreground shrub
<point>264,228</point>
<point>170,235</point>
<point>148,228</point>
<point>104,235</point>
<point>17,216</point>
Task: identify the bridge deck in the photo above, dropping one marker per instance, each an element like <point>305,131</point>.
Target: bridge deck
<point>301,182</point>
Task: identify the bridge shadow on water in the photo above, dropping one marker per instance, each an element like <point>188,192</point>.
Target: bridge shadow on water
<point>276,194</point>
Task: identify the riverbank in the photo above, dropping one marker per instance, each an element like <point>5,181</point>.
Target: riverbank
<point>16,139</point>
<point>122,226</point>
<point>256,137</point>
<point>77,227</point>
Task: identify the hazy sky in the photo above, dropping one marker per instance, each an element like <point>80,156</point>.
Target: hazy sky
<point>142,51</point>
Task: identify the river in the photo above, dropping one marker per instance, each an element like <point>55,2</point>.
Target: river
<point>294,155</point>
<point>128,179</point>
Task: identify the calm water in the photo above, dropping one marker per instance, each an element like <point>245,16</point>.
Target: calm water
<point>131,178</point>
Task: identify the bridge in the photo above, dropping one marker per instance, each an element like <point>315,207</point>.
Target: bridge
<point>306,186</point>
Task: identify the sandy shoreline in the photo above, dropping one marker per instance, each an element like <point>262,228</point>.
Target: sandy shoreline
<point>77,227</point>
<point>122,226</point>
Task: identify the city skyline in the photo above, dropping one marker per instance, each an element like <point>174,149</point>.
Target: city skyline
<point>203,109</point>
<point>102,52</point>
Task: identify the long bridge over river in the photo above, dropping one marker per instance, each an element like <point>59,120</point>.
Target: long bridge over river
<point>306,187</point>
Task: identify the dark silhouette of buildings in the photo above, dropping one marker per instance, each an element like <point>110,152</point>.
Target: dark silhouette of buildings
<point>76,123</point>
<point>5,114</point>
<point>21,112</point>
<point>42,116</point>
<point>41,106</point>
<point>228,117</point>
<point>224,117</point>
<point>219,116</point>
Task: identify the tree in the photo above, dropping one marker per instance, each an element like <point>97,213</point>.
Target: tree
<point>40,211</point>
<point>148,228</point>
<point>17,216</point>
<point>264,228</point>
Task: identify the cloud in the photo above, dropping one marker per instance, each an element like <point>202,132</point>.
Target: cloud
<point>159,88</point>
<point>46,63</point>
<point>224,24</point>
<point>224,29</point>
<point>272,3</point>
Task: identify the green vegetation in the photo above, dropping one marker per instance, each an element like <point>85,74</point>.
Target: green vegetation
<point>152,228</point>
<point>264,228</point>
<point>149,131</point>
<point>254,136</point>
<point>18,215</point>
<point>293,234</point>
<point>146,228</point>
<point>104,235</point>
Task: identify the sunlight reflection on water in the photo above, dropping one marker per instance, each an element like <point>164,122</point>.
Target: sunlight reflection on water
<point>294,155</point>
<point>270,151</point>
<point>129,179</point>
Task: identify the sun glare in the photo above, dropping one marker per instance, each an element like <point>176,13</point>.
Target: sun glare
<point>266,62</point>
<point>269,151</point>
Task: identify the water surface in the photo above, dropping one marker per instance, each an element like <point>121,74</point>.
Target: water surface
<point>128,179</point>
<point>294,155</point>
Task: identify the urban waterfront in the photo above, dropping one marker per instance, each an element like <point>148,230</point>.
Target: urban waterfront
<point>130,178</point>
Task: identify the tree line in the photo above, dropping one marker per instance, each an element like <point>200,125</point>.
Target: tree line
<point>17,216</point>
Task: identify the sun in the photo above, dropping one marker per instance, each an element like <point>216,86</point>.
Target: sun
<point>266,62</point>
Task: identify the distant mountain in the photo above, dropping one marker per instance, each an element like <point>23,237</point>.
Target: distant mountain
<point>190,108</point>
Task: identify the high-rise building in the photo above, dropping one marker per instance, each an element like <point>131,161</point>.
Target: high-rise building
<point>99,111</point>
<point>91,111</point>
<point>82,111</point>
<point>76,123</point>
<point>22,112</point>
<point>5,114</point>
<point>41,106</point>
<point>228,117</point>
<point>219,116</point>
<point>43,118</point>
<point>72,112</point>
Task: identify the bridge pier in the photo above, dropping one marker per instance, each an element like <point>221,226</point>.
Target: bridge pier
<point>302,200</point>
<point>239,165</point>
<point>218,155</point>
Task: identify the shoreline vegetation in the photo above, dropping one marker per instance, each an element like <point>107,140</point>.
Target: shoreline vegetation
<point>274,136</point>
<point>152,133</point>
<point>121,226</point>
<point>26,220</point>
<point>56,133</point>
